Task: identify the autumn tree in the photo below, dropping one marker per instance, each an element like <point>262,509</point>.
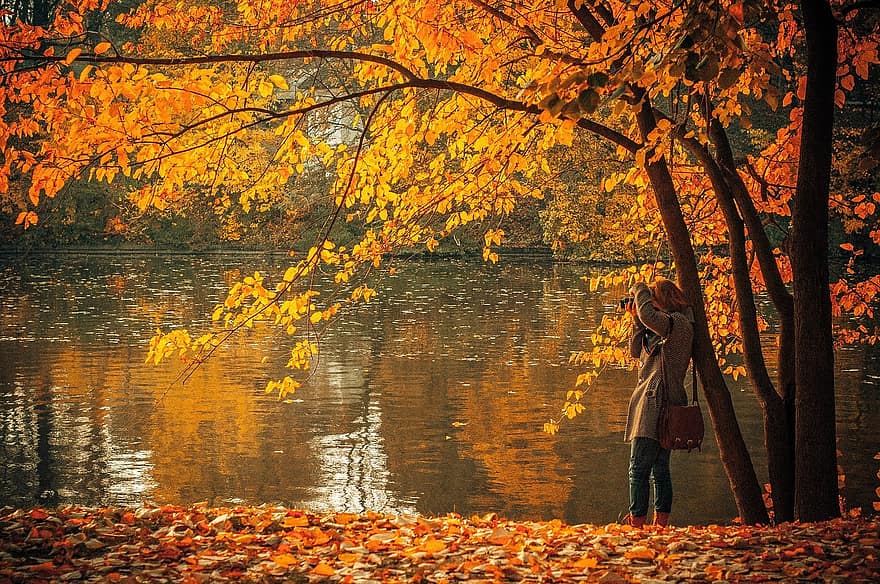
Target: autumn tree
<point>458,113</point>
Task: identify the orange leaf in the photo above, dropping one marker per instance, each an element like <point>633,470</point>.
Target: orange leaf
<point>736,11</point>
<point>39,514</point>
<point>28,218</point>
<point>289,522</point>
<point>71,56</point>
<point>323,569</point>
<point>48,566</point>
<point>586,562</point>
<point>715,572</point>
<point>802,88</point>
<point>432,546</point>
<point>640,552</point>
<point>344,518</point>
<point>499,536</point>
<point>284,560</point>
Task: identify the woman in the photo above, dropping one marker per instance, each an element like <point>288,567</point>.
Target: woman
<point>663,320</point>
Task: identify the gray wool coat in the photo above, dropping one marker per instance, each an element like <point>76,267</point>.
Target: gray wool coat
<point>644,405</point>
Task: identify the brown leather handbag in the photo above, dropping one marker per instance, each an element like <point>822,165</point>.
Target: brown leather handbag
<point>679,427</point>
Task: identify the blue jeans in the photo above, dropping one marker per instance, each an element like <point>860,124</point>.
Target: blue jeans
<point>649,458</point>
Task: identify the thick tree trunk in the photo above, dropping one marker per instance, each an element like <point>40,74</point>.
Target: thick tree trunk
<point>816,496</point>
<point>733,451</point>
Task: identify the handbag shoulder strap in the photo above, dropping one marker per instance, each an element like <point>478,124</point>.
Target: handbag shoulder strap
<point>671,326</point>
<point>694,385</point>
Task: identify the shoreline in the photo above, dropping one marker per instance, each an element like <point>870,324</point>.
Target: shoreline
<point>278,544</point>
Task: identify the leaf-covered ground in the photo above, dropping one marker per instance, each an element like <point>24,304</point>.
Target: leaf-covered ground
<point>274,544</point>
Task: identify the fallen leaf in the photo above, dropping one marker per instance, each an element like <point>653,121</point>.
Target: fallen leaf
<point>344,518</point>
<point>323,569</point>
<point>39,514</point>
<point>499,536</point>
<point>284,560</point>
<point>639,552</point>
<point>586,562</point>
<point>433,546</point>
<point>289,522</point>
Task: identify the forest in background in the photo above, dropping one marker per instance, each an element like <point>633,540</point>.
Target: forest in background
<point>98,216</point>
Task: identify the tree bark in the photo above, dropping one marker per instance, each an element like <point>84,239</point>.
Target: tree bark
<point>816,496</point>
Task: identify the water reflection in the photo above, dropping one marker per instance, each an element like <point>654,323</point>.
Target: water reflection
<point>428,400</point>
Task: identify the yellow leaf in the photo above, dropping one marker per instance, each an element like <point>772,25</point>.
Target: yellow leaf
<point>279,82</point>
<point>101,48</point>
<point>264,89</point>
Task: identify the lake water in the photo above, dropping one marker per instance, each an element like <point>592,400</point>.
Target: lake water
<point>430,399</point>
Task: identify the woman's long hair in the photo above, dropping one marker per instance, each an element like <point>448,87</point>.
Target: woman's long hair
<point>669,296</point>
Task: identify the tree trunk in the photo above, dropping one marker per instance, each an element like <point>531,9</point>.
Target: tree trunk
<point>781,467</point>
<point>777,439</point>
<point>816,496</point>
<point>732,448</point>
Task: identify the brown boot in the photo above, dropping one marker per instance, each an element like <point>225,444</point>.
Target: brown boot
<point>630,519</point>
<point>661,519</point>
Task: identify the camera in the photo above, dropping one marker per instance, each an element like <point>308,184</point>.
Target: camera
<point>625,303</point>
